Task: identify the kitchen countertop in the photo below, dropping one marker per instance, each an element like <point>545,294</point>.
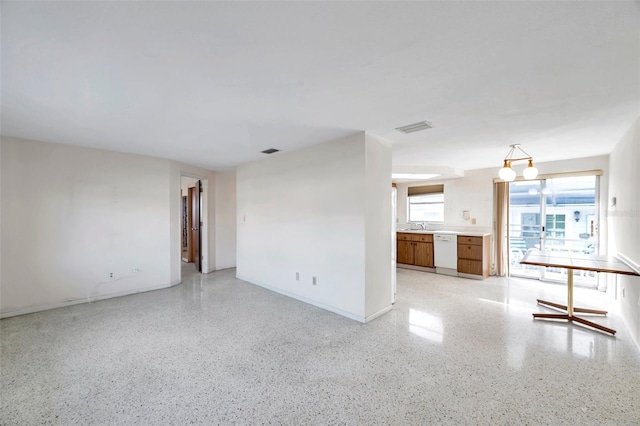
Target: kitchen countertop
<point>421,231</point>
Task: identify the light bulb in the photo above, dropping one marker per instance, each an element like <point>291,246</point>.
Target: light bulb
<point>530,172</point>
<point>506,173</point>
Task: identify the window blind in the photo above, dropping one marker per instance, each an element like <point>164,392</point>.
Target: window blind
<point>425,189</point>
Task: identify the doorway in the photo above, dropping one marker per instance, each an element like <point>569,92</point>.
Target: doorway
<point>191,193</point>
<point>554,214</point>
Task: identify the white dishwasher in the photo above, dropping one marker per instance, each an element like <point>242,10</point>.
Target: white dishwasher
<point>445,253</point>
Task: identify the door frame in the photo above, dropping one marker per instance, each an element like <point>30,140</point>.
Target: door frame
<point>204,218</point>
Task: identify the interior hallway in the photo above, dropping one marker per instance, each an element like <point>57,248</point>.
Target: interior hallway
<point>218,350</point>
<point>188,271</point>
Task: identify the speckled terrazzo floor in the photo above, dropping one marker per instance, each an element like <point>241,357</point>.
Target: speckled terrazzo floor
<point>216,350</point>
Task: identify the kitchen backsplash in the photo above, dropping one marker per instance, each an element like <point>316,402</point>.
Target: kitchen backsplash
<point>434,227</point>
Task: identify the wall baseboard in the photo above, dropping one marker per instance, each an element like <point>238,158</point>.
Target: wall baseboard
<point>349,315</point>
<point>379,313</point>
<point>630,263</point>
<point>627,321</point>
<point>40,308</point>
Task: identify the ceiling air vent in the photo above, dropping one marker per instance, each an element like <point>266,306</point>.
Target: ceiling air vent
<point>270,151</point>
<point>415,127</point>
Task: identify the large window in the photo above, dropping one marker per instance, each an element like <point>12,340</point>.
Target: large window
<point>426,208</point>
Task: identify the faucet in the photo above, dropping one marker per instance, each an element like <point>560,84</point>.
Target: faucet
<point>421,225</point>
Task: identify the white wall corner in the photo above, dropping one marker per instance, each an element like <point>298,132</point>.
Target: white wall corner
<point>378,226</point>
<point>302,213</point>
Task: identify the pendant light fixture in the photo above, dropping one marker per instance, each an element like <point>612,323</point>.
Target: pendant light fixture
<point>507,174</point>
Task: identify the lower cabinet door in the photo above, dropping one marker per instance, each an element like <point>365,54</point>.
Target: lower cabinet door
<point>404,252</point>
<point>424,254</point>
<point>473,267</point>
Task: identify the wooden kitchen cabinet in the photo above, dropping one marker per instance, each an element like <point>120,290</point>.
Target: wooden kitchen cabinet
<point>473,256</point>
<point>405,252</point>
<point>423,254</point>
<point>415,249</point>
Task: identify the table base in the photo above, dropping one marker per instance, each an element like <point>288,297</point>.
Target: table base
<point>572,262</point>
<point>572,318</point>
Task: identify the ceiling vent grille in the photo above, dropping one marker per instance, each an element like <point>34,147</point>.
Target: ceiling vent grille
<point>270,151</point>
<point>415,127</point>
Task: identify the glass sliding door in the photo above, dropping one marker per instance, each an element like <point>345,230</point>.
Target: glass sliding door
<point>558,214</point>
<point>571,205</point>
<point>525,227</point>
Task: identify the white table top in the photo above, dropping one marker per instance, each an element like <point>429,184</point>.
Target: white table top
<point>582,261</point>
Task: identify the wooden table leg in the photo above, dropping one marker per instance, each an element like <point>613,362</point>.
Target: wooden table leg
<point>564,308</point>
<point>552,316</point>
<point>570,292</point>
<point>593,324</point>
<point>576,319</point>
<point>590,311</point>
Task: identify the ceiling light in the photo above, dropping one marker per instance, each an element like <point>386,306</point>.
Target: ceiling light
<point>415,127</point>
<point>507,174</point>
<point>530,172</point>
<point>414,175</point>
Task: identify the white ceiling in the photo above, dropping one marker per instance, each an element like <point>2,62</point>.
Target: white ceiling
<point>214,83</point>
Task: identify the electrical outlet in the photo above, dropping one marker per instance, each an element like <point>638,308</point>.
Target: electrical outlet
<point>111,275</point>
<point>314,281</point>
<point>297,276</point>
<point>135,269</point>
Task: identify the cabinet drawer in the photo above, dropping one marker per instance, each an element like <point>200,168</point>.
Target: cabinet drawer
<point>468,251</point>
<point>476,241</point>
<point>404,237</point>
<point>425,238</point>
<point>473,267</point>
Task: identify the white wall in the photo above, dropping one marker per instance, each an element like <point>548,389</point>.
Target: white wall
<point>473,192</point>
<point>1,143</point>
<point>624,222</point>
<point>225,219</point>
<point>377,225</point>
<point>71,215</point>
<point>306,211</point>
